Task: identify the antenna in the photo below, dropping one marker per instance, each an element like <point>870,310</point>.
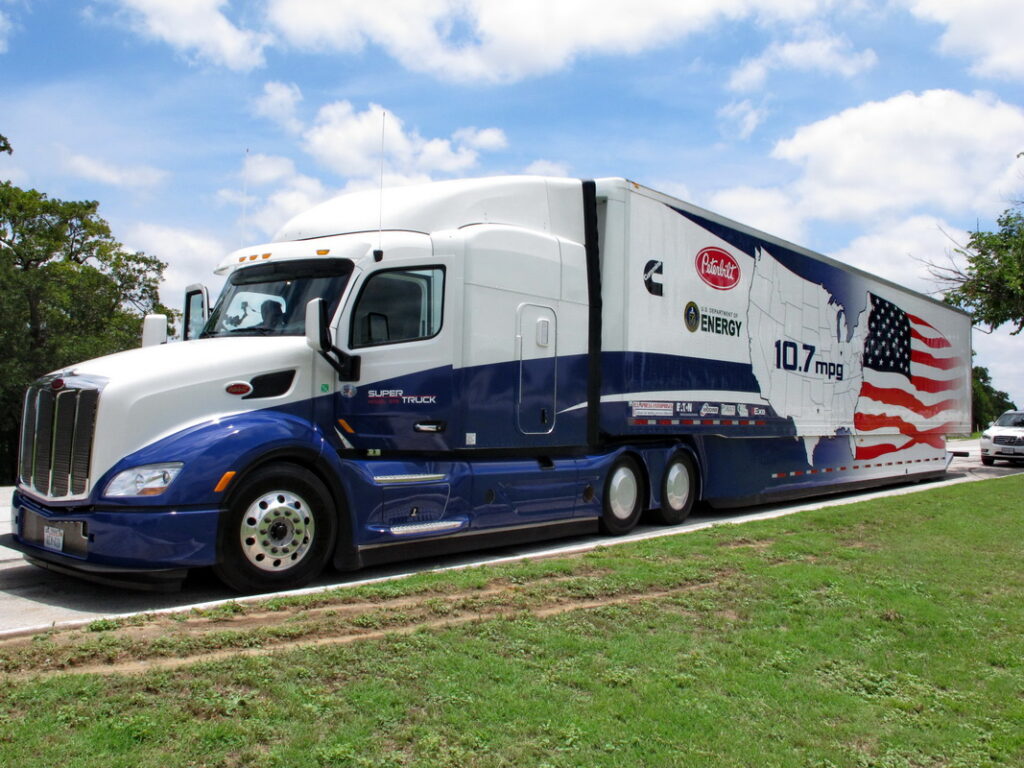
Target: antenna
<point>379,253</point>
<point>245,197</point>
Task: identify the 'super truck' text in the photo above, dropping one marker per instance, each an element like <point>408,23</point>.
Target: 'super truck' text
<point>481,362</point>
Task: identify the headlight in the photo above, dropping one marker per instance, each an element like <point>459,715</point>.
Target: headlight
<point>148,480</point>
<point>986,436</point>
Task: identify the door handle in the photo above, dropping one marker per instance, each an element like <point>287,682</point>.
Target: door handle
<point>430,426</point>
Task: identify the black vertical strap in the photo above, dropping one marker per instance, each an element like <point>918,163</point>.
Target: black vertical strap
<point>593,253</point>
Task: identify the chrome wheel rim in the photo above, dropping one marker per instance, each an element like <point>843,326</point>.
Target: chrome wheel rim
<point>622,493</point>
<point>677,485</point>
<point>277,531</point>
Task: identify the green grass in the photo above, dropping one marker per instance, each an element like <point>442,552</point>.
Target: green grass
<point>886,633</point>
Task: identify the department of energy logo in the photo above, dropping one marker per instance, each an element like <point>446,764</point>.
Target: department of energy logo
<point>691,315</point>
<point>718,268</point>
<point>711,320</point>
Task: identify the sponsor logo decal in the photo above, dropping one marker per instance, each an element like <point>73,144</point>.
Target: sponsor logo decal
<point>398,396</point>
<point>691,315</point>
<point>711,320</point>
<point>644,408</point>
<point>652,268</point>
<point>708,410</point>
<point>718,268</point>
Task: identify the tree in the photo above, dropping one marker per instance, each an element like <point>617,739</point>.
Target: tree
<point>991,286</point>
<point>68,292</point>
<point>986,401</point>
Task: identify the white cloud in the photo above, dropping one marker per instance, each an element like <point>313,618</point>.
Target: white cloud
<point>744,115</point>
<point>6,27</point>
<point>261,170</point>
<point>199,27</point>
<point>350,143</point>
<point>279,103</point>
<point>547,168</point>
<point>506,41</point>
<point>261,214</point>
<point>770,210</point>
<point>939,148</point>
<point>191,257</point>
<point>486,139</point>
<point>815,52</point>
<point>299,193</point>
<point>988,31</point>
<point>115,175</point>
<point>901,251</point>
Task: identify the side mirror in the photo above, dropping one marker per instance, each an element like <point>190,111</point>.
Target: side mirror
<point>318,338</point>
<point>318,335</point>
<point>154,330</point>
<point>197,311</point>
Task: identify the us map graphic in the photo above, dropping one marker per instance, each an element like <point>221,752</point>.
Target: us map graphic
<point>885,372</point>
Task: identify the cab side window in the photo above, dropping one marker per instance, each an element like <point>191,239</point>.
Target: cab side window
<point>398,305</point>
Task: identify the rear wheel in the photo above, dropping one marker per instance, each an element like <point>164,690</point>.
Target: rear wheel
<point>623,497</point>
<point>678,490</point>
<point>278,532</point>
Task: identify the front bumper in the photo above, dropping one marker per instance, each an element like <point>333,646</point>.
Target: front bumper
<point>120,544</point>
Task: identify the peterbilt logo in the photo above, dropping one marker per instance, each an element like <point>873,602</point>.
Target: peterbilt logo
<point>718,268</point>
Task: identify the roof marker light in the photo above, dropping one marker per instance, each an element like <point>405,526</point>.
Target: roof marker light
<point>266,255</point>
<point>323,251</point>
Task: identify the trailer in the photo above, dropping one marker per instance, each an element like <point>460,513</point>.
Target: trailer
<point>473,363</point>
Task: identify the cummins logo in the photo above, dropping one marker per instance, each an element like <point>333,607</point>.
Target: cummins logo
<point>718,268</point>
<point>652,268</point>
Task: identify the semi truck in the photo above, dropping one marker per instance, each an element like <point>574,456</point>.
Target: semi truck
<point>481,362</point>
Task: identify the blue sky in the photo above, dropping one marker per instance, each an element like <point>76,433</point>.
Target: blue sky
<point>877,131</point>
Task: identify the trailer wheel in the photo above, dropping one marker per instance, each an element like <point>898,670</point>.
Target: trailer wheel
<point>623,497</point>
<point>278,531</point>
<point>678,490</point>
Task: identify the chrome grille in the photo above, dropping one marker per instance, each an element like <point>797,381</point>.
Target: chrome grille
<point>1007,440</point>
<point>56,439</point>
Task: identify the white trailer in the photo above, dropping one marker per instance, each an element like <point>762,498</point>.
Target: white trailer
<point>477,362</point>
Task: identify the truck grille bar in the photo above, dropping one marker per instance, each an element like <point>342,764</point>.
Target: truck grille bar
<point>56,440</point>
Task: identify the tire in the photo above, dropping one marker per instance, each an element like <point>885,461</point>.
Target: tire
<point>678,490</point>
<point>278,531</point>
<point>988,461</point>
<point>623,497</point>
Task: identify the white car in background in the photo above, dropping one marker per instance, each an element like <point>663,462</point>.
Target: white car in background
<point>1004,439</point>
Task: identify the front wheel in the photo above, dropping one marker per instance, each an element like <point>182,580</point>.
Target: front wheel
<point>988,461</point>
<point>278,532</point>
<point>623,497</point>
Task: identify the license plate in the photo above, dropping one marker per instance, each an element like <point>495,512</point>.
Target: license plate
<point>53,538</point>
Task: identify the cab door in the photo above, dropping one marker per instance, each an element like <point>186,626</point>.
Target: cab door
<point>399,326</point>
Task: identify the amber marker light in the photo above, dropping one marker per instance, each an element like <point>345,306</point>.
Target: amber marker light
<point>225,480</point>
<point>323,251</point>
<point>346,427</point>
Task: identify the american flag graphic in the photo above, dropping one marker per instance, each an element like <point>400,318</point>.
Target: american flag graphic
<point>909,374</point>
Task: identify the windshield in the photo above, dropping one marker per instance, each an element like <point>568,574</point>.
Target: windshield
<point>1011,419</point>
<point>270,299</point>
